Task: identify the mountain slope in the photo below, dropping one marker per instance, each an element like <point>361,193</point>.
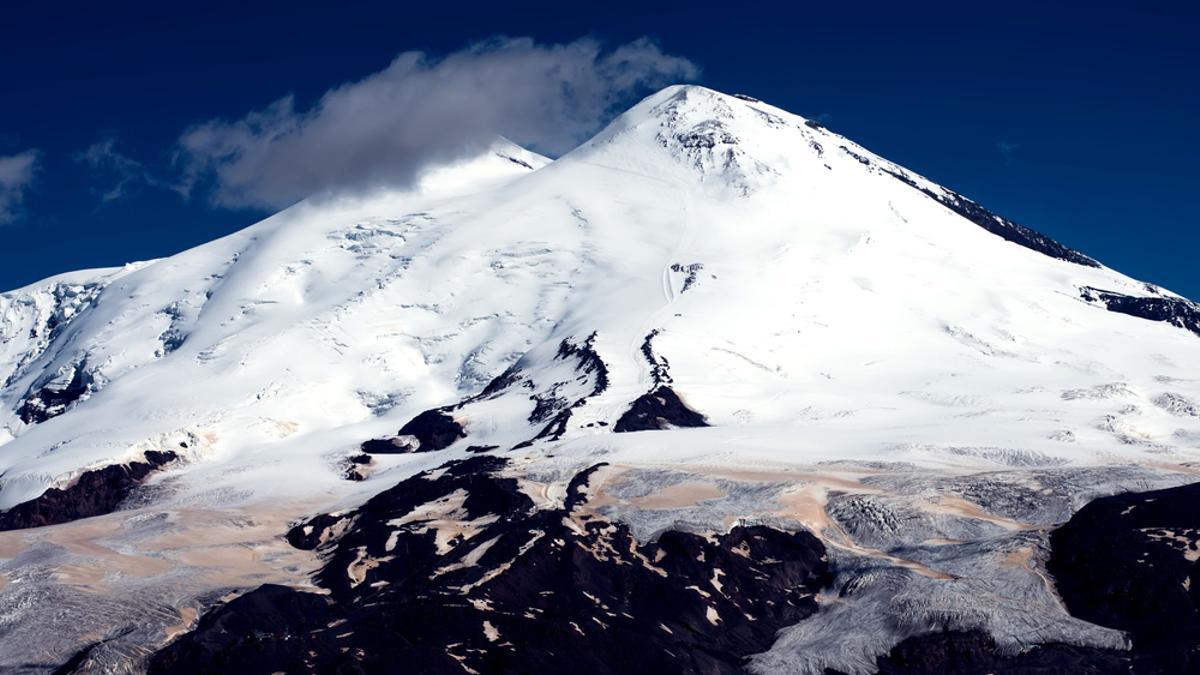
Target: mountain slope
<point>748,316</point>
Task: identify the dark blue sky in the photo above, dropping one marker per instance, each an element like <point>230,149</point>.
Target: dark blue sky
<point>1077,119</point>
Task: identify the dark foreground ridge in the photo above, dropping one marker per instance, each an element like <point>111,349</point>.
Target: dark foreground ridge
<point>1175,311</point>
<point>1132,562</point>
<point>975,651</point>
<point>457,571</point>
<point>95,493</point>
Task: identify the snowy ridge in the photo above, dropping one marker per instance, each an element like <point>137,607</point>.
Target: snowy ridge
<point>758,214</point>
<point>198,314</point>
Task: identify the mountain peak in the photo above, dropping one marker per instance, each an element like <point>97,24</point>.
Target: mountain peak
<point>736,144</point>
<point>729,313</point>
<point>725,141</point>
<point>696,94</point>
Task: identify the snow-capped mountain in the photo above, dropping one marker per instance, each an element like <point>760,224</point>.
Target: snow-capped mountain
<point>749,319</point>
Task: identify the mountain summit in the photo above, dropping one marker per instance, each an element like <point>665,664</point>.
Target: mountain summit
<point>715,327</point>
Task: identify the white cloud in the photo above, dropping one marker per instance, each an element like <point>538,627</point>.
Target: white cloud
<point>420,110</point>
<point>123,171</point>
<point>16,175</point>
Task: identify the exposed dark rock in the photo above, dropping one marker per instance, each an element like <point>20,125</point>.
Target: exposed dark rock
<point>173,337</point>
<point>660,409</point>
<point>503,381</point>
<point>1177,404</point>
<point>356,467</point>
<point>1175,311</point>
<point>94,493</point>
<point>576,494</point>
<point>589,365</point>
<point>394,445</point>
<point>975,651</point>
<point>514,160</point>
<point>70,301</point>
<point>1132,562</point>
<point>660,368</point>
<point>481,448</point>
<point>516,589</point>
<point>546,405</point>
<point>707,138</point>
<point>946,652</point>
<point>434,430</point>
<point>997,225</point>
<point>257,632</point>
<point>1013,232</point>
<point>861,159</point>
<point>53,399</point>
<point>692,271</point>
<point>552,431</point>
<point>590,362</point>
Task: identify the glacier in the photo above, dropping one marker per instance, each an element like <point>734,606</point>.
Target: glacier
<point>748,319</point>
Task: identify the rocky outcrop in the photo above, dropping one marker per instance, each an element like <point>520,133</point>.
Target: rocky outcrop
<point>1132,562</point>
<point>356,467</point>
<point>659,409</point>
<point>94,493</point>
<point>457,571</point>
<point>559,399</point>
<point>431,430</point>
<point>1175,311</point>
<point>997,225</point>
<point>55,396</point>
<point>434,430</point>
<point>974,651</point>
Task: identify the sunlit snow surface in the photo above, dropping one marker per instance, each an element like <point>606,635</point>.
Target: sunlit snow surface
<point>842,331</point>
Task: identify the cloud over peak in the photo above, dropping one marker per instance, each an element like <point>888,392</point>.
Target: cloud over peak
<point>16,175</point>
<point>384,129</point>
